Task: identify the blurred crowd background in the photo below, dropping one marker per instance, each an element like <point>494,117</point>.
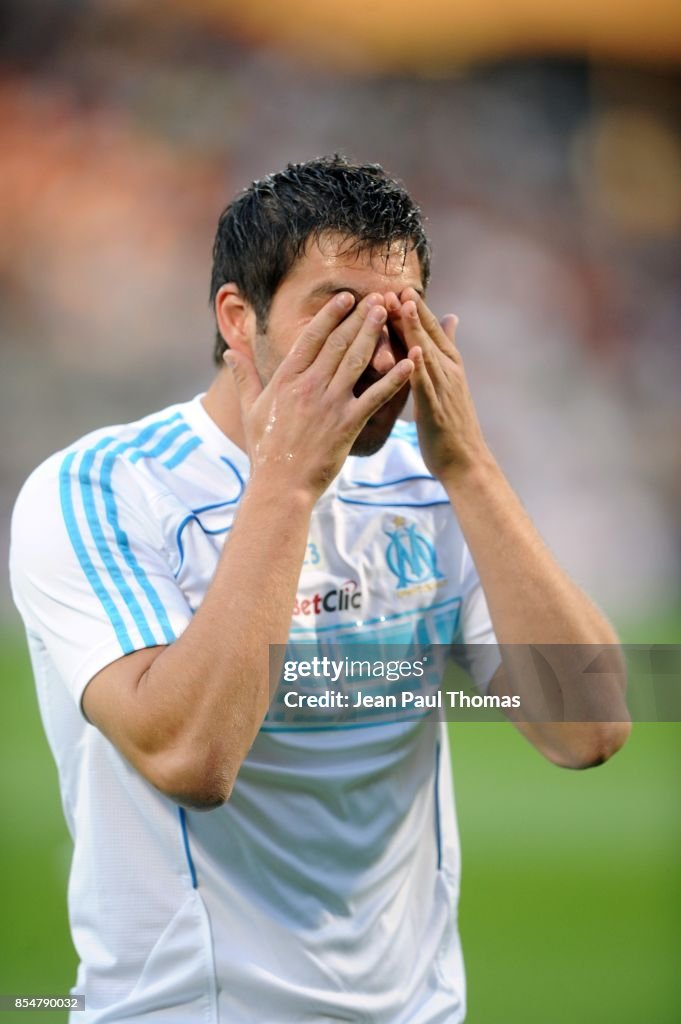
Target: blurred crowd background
<point>552,186</point>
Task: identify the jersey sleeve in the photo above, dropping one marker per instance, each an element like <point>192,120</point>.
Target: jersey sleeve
<point>88,568</point>
<point>476,648</point>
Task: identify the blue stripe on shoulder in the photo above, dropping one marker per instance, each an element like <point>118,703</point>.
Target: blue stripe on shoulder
<point>182,452</point>
<point>161,447</point>
<point>121,536</point>
<point>103,549</point>
<point>89,480</point>
<point>86,564</point>
<point>87,486</point>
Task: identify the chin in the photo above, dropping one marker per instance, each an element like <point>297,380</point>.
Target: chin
<point>368,443</point>
<point>377,430</point>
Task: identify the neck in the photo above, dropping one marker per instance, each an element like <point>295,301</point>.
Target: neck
<point>221,402</point>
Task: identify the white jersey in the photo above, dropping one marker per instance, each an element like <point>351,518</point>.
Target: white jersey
<point>326,888</point>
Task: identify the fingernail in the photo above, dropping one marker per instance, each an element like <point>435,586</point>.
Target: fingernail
<point>377,315</point>
<point>345,300</point>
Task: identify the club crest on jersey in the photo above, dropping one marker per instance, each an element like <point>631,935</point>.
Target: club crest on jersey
<point>410,556</point>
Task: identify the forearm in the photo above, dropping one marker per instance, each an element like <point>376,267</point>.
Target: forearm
<point>567,710</point>
<point>531,599</point>
<point>186,715</point>
<point>201,703</point>
<point>532,602</point>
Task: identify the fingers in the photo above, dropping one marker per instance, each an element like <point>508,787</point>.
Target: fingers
<point>392,304</point>
<point>416,312</point>
<point>382,391</point>
<point>308,345</point>
<point>416,336</point>
<point>421,381</point>
<point>245,376</point>
<point>449,324</point>
<point>364,323</point>
<point>360,352</point>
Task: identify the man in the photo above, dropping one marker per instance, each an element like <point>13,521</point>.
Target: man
<point>156,563</point>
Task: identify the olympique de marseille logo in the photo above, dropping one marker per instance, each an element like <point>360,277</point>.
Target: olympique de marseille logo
<point>410,556</point>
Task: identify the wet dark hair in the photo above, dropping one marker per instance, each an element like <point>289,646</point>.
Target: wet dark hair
<point>266,228</point>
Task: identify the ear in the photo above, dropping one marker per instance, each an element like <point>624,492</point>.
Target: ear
<point>235,318</point>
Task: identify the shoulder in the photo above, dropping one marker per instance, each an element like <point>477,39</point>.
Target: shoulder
<point>92,479</point>
<point>127,449</point>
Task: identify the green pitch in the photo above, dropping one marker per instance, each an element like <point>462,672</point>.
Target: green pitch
<point>571,897</point>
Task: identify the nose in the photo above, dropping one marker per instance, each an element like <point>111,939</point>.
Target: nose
<point>383,358</point>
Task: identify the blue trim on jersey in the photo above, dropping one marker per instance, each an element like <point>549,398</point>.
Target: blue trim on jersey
<point>438,827</point>
<point>394,504</point>
<point>338,626</point>
<point>422,635</point>
<point>108,464</point>
<point>103,549</point>
<point>228,462</point>
<point>411,718</point>
<point>196,512</point>
<point>211,533</point>
<point>185,840</point>
<point>101,544</point>
<point>182,452</point>
<point>161,447</point>
<point>403,431</point>
<point>391,483</point>
<point>86,564</point>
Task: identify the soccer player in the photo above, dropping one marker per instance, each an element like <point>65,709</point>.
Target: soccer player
<point>234,863</point>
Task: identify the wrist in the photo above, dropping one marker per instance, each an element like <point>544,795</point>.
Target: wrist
<point>273,486</point>
<point>474,473</point>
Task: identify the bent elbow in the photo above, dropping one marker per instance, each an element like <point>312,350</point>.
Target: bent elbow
<point>594,745</point>
<point>203,798</point>
<point>198,786</point>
